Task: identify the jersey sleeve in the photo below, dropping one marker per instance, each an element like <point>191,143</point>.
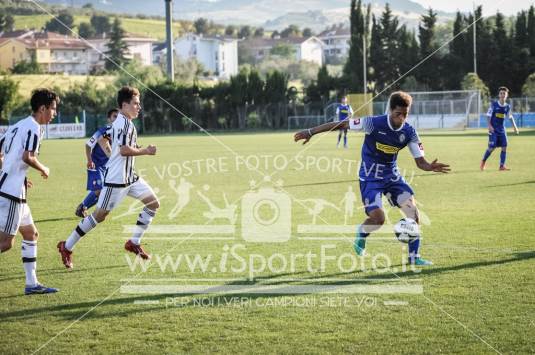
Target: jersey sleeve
<point>364,124</point>
<point>92,142</point>
<point>490,110</point>
<point>32,138</point>
<point>2,140</point>
<point>415,145</point>
<point>122,137</point>
<point>350,110</point>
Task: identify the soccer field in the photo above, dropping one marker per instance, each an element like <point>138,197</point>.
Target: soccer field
<point>285,280</point>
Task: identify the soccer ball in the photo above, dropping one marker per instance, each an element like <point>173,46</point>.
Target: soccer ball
<point>407,230</point>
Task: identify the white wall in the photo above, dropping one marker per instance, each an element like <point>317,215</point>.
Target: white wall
<point>218,56</point>
<point>311,50</point>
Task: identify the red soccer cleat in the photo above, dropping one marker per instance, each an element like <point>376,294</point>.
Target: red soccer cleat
<point>136,249</point>
<point>482,165</point>
<point>504,168</point>
<point>66,257</point>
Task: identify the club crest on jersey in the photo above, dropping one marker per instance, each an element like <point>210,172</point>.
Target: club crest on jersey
<point>402,138</point>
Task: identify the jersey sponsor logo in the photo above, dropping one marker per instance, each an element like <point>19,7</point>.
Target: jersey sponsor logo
<point>383,133</point>
<point>500,115</point>
<point>387,149</point>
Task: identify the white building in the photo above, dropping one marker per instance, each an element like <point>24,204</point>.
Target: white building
<point>336,42</point>
<point>139,48</point>
<point>309,49</point>
<point>159,53</point>
<point>217,54</point>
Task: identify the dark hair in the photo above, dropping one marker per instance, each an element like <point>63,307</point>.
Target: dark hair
<point>111,112</point>
<point>503,88</point>
<point>400,98</point>
<point>42,97</point>
<point>125,94</point>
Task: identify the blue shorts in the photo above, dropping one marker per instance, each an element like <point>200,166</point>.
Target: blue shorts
<point>95,178</point>
<point>497,140</point>
<point>397,192</point>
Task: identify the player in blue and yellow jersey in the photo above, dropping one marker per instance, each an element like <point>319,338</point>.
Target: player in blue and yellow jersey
<point>499,110</point>
<point>343,113</point>
<point>97,151</point>
<point>385,136</point>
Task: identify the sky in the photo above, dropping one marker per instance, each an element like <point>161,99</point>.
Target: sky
<point>506,7</point>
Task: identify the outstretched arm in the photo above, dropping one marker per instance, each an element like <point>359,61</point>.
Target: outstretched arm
<point>306,134</point>
<point>515,128</point>
<point>433,166</point>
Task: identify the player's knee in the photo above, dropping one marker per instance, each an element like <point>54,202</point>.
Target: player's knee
<point>154,205</point>
<point>377,217</point>
<point>100,215</point>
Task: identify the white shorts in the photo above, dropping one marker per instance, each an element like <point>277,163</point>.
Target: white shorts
<point>13,215</point>
<point>111,197</point>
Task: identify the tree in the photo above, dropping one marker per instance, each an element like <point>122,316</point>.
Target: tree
<point>307,32</point>
<point>291,31</point>
<point>384,50</point>
<point>353,76</point>
<point>245,32</point>
<point>472,82</point>
<point>63,23</point>
<point>528,89</point>
<point>27,67</point>
<point>230,30</point>
<point>284,50</point>
<point>531,29</point>
<point>7,23</point>
<point>117,47</point>
<point>426,73</point>
<point>201,26</point>
<point>275,34</point>
<point>101,24</point>
<point>134,72</point>
<point>8,97</point>
<point>85,30</point>
<point>259,32</point>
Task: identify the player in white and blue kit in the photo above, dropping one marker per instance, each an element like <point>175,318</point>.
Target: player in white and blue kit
<point>496,115</point>
<point>343,112</point>
<point>385,136</point>
<point>97,151</point>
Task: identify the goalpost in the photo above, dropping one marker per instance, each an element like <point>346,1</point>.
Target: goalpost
<point>456,109</point>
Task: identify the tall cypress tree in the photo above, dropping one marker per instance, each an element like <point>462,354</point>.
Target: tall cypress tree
<point>531,30</point>
<point>117,47</point>
<point>427,72</point>
<point>353,68</point>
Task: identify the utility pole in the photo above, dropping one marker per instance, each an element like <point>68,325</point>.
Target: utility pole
<point>169,39</point>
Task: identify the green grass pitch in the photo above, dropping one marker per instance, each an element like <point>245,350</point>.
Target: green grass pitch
<point>478,298</point>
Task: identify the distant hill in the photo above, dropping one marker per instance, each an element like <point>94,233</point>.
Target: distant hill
<point>272,14</point>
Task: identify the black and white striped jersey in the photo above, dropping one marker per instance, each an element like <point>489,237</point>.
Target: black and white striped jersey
<point>23,136</point>
<point>120,169</point>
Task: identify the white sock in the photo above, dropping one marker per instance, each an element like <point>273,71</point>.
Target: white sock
<point>29,261</point>
<point>85,226</point>
<point>143,221</point>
